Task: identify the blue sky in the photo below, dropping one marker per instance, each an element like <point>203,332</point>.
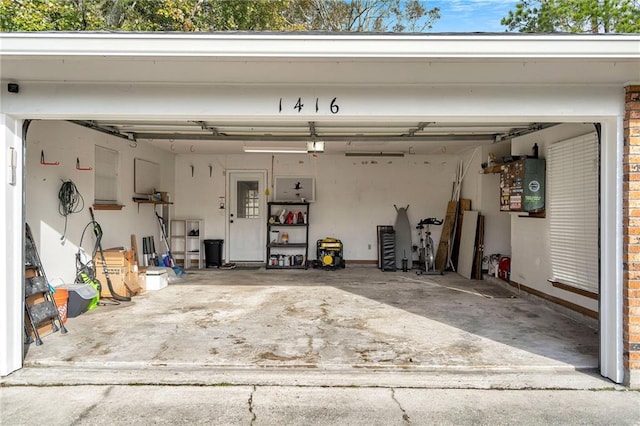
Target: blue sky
<point>471,15</point>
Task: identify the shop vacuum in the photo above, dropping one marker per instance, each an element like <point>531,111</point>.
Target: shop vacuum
<point>329,254</point>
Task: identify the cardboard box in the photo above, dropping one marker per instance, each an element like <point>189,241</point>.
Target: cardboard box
<point>121,269</point>
<point>114,257</point>
<point>117,276</point>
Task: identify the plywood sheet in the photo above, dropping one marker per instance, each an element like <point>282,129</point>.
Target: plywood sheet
<point>442,255</point>
<point>466,255</point>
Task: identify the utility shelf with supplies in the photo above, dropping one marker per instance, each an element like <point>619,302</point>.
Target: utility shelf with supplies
<point>287,235</point>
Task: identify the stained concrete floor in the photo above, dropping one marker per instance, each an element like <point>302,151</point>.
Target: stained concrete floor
<point>354,319</point>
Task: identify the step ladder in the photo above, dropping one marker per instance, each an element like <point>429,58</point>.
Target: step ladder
<point>39,304</point>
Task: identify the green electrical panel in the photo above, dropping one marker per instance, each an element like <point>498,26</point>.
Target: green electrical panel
<point>522,186</point>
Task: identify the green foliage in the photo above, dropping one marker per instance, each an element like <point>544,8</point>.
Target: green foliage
<point>364,15</point>
<point>43,15</point>
<point>216,15</point>
<point>575,16</point>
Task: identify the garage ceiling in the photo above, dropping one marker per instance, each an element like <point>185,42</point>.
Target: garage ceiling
<point>357,138</point>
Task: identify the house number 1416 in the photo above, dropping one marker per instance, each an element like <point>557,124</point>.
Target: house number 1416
<point>299,105</point>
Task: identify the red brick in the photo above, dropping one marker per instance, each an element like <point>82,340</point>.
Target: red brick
<point>630,153</point>
<point>632,293</point>
<point>633,105</point>
<point>631,221</point>
<point>633,312</point>
<point>631,276</point>
<point>632,266</point>
<point>634,329</point>
<point>632,88</point>
<point>632,248</point>
<point>632,114</point>
<point>633,202</point>
<point>631,257</point>
<point>631,168</point>
<point>631,301</point>
<point>633,230</point>
<point>634,186</point>
<point>633,284</point>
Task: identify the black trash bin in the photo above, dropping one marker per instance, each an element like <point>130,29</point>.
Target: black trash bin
<point>213,253</point>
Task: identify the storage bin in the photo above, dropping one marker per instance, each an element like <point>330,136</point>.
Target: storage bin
<point>156,279</point>
<point>80,297</point>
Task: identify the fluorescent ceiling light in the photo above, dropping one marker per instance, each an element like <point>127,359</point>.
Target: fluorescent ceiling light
<point>374,154</point>
<point>274,150</point>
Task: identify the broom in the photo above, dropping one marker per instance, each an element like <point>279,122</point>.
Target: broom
<point>178,270</point>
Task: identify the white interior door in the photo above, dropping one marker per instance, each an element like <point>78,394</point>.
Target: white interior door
<point>247,216</point>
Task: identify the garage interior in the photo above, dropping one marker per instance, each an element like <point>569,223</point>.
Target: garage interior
<point>354,318</point>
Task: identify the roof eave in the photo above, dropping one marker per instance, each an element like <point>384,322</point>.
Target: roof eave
<point>322,46</point>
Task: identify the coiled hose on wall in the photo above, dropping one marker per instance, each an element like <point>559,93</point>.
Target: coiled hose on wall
<point>71,201</point>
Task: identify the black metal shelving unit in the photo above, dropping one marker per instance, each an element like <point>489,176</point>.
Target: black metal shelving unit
<point>290,254</point>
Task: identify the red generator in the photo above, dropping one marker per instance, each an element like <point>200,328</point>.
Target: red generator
<point>504,268</point>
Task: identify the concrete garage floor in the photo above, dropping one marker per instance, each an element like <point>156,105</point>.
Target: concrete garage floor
<point>356,319</point>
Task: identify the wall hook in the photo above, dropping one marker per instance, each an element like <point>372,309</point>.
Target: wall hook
<point>192,168</point>
<point>44,163</point>
<point>210,170</point>
<point>81,168</point>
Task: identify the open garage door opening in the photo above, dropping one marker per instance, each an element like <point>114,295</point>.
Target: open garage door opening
<point>359,317</point>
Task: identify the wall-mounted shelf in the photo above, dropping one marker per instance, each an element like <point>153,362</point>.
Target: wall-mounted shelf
<point>108,206</point>
<point>145,201</point>
<point>496,168</point>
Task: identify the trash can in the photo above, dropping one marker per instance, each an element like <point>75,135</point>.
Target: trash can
<point>213,253</point>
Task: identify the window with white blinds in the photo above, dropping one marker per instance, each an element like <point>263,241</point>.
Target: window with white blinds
<point>106,176</point>
<point>573,211</point>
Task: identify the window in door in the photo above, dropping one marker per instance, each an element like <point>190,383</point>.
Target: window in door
<point>248,200</point>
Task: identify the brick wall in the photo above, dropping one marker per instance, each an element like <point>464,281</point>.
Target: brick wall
<point>631,230</point>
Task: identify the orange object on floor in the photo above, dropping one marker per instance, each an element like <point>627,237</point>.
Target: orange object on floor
<point>61,297</point>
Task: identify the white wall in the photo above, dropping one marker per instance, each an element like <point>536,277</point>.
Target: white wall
<point>497,224</point>
<point>64,142</point>
<point>530,262</point>
<point>353,194</point>
<point>484,192</point>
